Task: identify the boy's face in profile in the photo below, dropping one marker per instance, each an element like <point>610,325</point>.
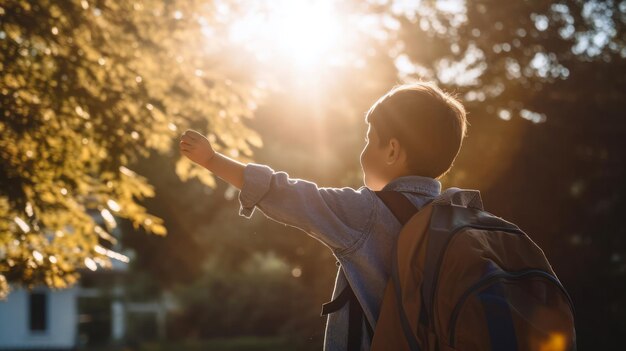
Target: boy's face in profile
<point>373,161</point>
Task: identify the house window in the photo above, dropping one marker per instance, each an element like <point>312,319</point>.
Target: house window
<point>38,311</point>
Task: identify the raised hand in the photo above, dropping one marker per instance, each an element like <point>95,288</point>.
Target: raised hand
<point>196,147</point>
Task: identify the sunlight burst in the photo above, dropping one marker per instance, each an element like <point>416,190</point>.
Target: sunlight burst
<point>304,32</point>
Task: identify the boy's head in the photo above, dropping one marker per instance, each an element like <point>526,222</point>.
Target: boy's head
<point>414,129</point>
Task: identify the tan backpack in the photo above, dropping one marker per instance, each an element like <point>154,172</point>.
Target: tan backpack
<point>465,279</point>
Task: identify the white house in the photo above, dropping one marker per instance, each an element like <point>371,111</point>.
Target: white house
<point>39,319</point>
<point>95,311</point>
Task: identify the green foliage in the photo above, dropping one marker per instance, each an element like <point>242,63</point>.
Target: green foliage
<point>87,88</point>
<point>260,297</point>
<point>501,55</point>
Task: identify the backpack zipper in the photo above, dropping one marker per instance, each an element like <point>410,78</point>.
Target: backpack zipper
<point>491,278</point>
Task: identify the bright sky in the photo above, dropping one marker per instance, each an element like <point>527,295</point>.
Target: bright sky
<point>298,32</point>
<point>308,34</point>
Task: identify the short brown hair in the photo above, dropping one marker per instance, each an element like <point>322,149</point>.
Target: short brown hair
<point>429,123</point>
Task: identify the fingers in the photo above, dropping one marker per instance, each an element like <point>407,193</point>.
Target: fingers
<point>191,137</point>
<point>186,139</point>
<point>186,147</point>
<point>193,134</point>
<point>190,133</point>
<point>189,141</point>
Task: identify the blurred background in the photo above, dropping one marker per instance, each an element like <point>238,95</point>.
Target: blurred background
<point>111,240</point>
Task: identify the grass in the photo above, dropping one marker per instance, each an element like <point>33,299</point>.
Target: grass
<point>237,344</point>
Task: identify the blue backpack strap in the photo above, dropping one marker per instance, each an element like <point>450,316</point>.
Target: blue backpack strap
<point>499,320</point>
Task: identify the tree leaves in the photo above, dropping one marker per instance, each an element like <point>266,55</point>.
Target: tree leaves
<point>86,89</point>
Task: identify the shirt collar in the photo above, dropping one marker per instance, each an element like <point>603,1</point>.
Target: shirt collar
<point>414,183</point>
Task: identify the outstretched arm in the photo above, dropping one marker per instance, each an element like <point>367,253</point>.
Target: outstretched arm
<point>341,218</point>
<point>197,148</point>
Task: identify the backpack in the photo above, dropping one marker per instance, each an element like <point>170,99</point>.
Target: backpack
<point>464,279</point>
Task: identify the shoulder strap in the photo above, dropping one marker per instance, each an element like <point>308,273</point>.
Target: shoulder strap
<point>401,207</point>
<point>355,317</point>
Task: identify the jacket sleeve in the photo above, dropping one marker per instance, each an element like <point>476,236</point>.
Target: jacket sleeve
<point>338,217</point>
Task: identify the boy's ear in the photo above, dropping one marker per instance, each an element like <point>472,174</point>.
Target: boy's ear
<point>394,151</point>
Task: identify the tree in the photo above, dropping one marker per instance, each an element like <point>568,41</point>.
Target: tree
<point>87,87</point>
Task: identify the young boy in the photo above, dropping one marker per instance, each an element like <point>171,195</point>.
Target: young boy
<point>415,132</point>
